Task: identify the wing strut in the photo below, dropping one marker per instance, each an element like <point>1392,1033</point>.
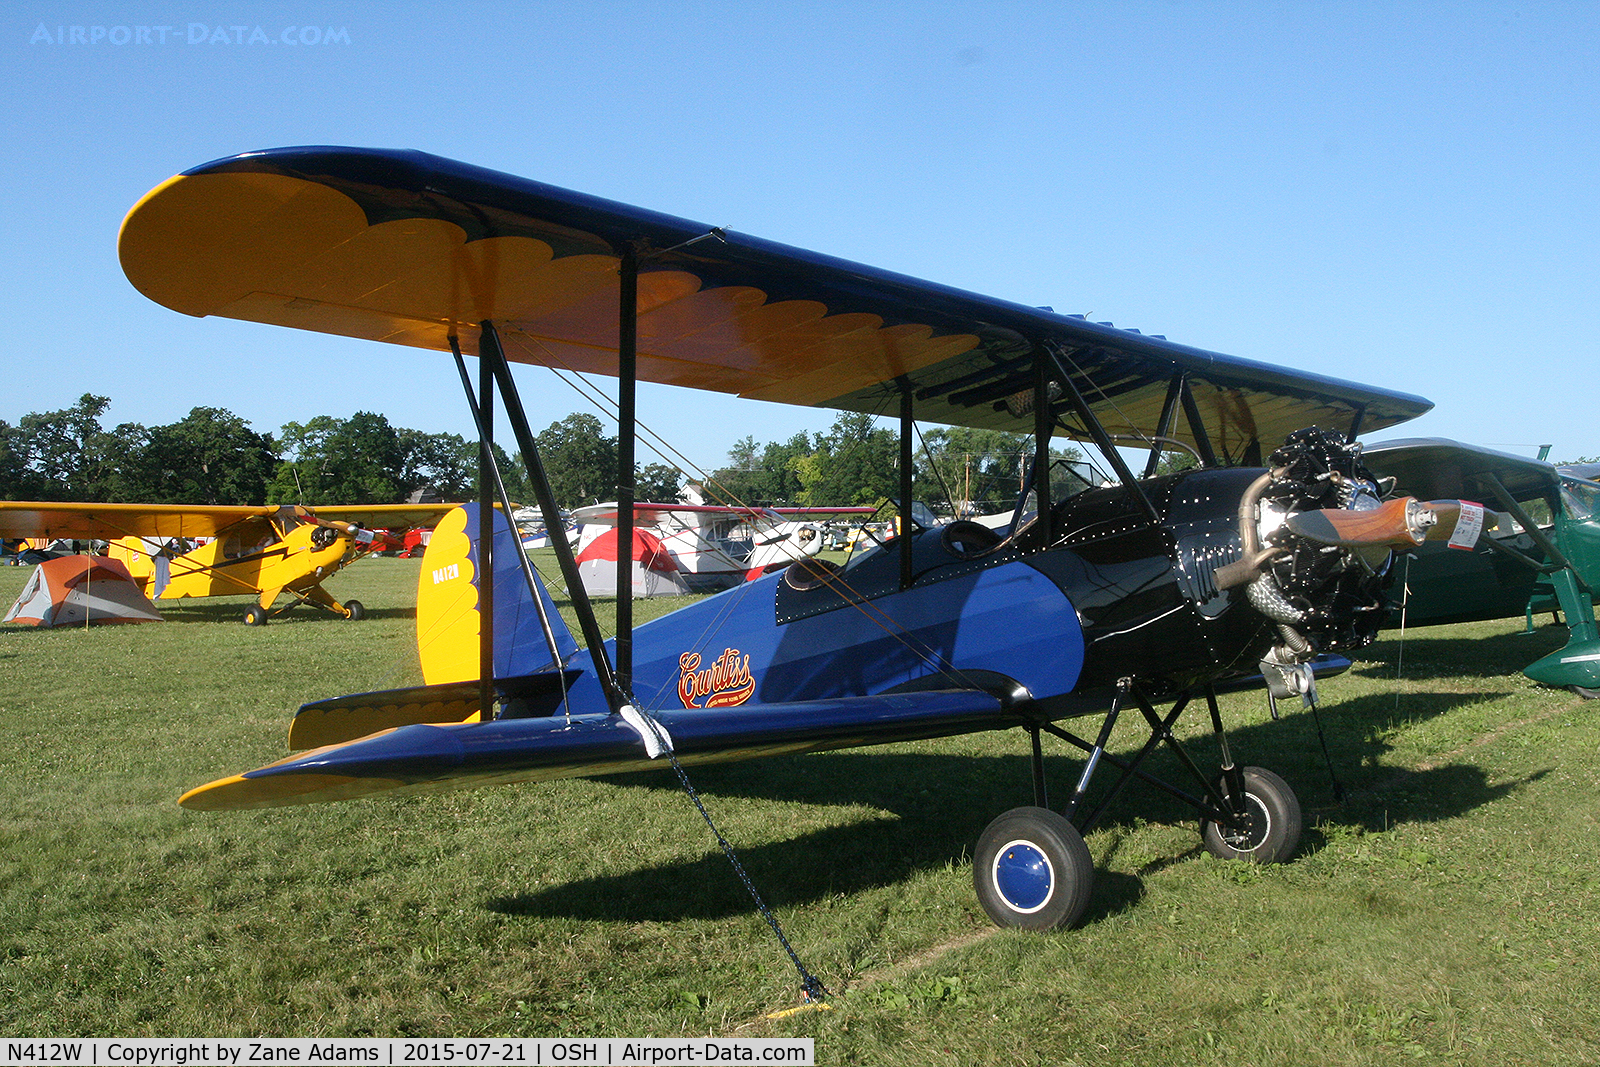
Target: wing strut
<point>1557,561</point>
<point>627,383</point>
<point>487,465</point>
<point>906,432</point>
<point>1043,426</point>
<point>1051,355</point>
<point>1197,426</point>
<point>489,349</point>
<point>1169,407</point>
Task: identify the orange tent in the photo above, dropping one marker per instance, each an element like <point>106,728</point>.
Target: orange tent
<point>73,590</point>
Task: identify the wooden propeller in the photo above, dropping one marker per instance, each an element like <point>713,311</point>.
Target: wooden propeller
<point>1403,522</point>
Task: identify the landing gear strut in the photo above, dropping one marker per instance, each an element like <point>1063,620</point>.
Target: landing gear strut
<point>1031,868</point>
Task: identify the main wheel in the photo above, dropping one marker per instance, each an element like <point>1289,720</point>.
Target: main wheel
<point>1032,870</point>
<point>1272,815</point>
<point>255,616</point>
<point>356,610</point>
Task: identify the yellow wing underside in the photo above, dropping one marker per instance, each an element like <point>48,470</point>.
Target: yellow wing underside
<point>297,253</point>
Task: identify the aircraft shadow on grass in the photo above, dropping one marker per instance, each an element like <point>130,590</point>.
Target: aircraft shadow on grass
<point>935,804</point>
<point>287,614</point>
<point>1426,654</point>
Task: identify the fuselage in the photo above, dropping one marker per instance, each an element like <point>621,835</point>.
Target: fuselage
<point>1053,620</point>
<point>253,556</point>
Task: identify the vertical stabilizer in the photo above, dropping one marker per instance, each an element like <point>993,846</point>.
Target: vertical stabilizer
<point>447,606</point>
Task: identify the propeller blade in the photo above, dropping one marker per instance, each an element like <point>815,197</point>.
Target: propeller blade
<point>1402,522</point>
<point>1460,522</point>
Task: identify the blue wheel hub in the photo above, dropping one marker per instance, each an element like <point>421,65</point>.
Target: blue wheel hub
<point>1024,877</point>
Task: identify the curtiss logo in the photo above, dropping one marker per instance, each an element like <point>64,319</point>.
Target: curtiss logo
<point>725,683</point>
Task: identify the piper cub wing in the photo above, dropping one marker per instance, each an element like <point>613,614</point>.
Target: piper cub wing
<point>190,550</point>
<point>1091,600</point>
<point>1540,548</point>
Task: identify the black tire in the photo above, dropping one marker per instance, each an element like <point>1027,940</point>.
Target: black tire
<point>356,610</point>
<point>255,616</point>
<point>1032,870</point>
<point>1587,694</point>
<point>1275,822</point>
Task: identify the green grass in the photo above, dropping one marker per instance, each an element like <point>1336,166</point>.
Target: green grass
<point>1441,912</point>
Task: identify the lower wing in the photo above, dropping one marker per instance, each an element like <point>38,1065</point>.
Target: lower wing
<point>433,758</point>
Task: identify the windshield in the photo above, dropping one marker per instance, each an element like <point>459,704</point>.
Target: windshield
<point>1579,498</point>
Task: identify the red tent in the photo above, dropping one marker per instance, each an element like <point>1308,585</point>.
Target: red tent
<point>655,572</point>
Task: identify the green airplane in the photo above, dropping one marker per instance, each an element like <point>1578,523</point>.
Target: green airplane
<point>1539,547</point>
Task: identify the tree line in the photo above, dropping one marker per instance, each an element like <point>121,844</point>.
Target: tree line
<point>212,456</point>
<point>857,462</point>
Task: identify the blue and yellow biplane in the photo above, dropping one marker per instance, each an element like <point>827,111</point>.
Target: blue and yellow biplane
<point>1147,595</point>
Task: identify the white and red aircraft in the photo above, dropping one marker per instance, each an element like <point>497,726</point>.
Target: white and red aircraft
<point>716,546</point>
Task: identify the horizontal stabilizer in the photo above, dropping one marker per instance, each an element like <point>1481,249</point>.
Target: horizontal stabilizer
<point>423,758</point>
<point>340,719</point>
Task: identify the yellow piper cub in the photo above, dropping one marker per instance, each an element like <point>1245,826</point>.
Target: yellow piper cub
<point>262,551</point>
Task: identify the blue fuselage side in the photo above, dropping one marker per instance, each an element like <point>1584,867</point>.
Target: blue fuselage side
<point>1109,595</point>
<point>1007,620</point>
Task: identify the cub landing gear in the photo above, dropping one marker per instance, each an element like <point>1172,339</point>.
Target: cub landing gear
<point>256,615</point>
<point>1031,868</point>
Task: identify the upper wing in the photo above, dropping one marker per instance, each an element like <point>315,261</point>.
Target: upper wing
<point>46,518</point>
<point>385,514</point>
<point>822,514</point>
<point>1432,468</point>
<point>29,518</point>
<point>654,514</point>
<point>412,249</point>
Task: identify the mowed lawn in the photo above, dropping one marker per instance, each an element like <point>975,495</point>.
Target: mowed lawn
<point>1443,911</point>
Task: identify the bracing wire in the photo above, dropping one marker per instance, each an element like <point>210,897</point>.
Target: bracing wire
<point>932,657</point>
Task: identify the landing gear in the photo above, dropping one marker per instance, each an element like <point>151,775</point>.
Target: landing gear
<point>255,616</point>
<point>1268,831</point>
<point>1032,870</point>
<point>354,610</point>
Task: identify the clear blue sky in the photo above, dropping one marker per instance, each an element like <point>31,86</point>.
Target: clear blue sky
<point>1400,194</point>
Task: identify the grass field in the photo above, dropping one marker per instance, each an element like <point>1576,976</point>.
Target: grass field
<point>1442,912</point>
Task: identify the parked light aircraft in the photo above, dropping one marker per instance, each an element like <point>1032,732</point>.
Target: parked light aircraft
<point>267,552</point>
<point>716,546</point>
<point>1153,591</point>
<point>1540,549</point>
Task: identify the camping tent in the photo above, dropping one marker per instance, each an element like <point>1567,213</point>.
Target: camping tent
<point>72,590</point>
<point>655,572</point>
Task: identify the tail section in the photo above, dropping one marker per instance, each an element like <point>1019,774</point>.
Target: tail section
<point>448,605</point>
